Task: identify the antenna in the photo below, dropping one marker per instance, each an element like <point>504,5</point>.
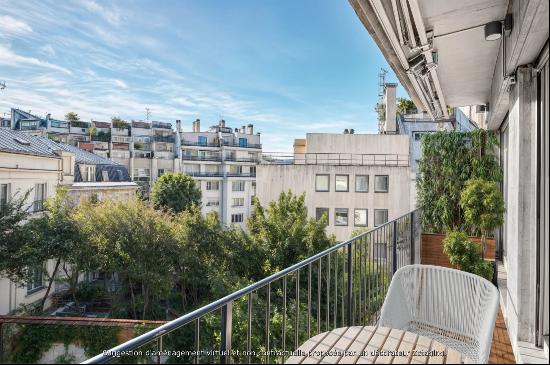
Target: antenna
<point>381,82</point>
<point>147,113</point>
<point>2,85</point>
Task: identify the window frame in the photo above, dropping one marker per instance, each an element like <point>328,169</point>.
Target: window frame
<point>340,210</point>
<point>366,217</point>
<point>238,182</point>
<point>33,279</point>
<point>328,183</point>
<point>368,183</point>
<point>233,216</point>
<point>387,217</point>
<point>336,183</point>
<point>327,210</point>
<point>387,185</point>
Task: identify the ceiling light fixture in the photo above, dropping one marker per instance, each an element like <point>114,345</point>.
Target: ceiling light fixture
<point>493,31</point>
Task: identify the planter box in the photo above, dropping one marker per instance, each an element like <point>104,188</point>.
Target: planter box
<point>432,249</point>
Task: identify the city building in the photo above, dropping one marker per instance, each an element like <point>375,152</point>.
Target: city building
<point>491,59</point>
<point>224,162</point>
<point>38,165</point>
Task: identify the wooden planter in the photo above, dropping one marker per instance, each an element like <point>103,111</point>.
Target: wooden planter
<point>432,249</point>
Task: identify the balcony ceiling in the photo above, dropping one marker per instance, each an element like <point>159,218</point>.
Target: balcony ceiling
<point>466,60</point>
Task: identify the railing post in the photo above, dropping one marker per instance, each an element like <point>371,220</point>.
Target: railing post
<point>225,347</point>
<point>348,304</point>
<point>394,247</point>
<point>412,253</point>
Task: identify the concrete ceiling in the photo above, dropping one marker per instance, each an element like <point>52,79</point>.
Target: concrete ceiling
<point>466,61</point>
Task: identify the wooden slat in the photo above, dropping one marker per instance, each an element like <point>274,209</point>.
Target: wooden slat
<point>407,345</point>
<point>342,345</point>
<point>326,344</point>
<point>392,344</point>
<point>357,347</point>
<point>438,358</point>
<point>303,351</point>
<point>422,344</point>
<point>453,357</point>
<point>376,342</point>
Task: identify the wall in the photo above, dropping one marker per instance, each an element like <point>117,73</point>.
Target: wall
<point>357,143</point>
<point>274,179</point>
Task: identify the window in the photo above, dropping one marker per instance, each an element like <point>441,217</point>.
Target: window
<point>418,136</point>
<point>253,188</point>
<point>362,183</point>
<point>89,173</point>
<point>243,142</point>
<point>360,218</point>
<point>381,183</point>
<point>203,140</point>
<point>319,212</point>
<point>4,195</point>
<point>235,169</point>
<point>237,186</point>
<point>237,218</point>
<point>342,182</point>
<point>341,216</point>
<point>252,170</point>
<point>212,185</point>
<point>322,182</point>
<point>213,203</point>
<point>160,172</point>
<point>380,217</point>
<point>238,202</point>
<point>40,193</point>
<point>35,280</point>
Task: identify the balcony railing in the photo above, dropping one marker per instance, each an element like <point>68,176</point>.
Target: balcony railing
<point>241,159</point>
<point>338,159</point>
<point>167,139</point>
<point>204,174</point>
<point>201,158</point>
<point>200,144</point>
<point>102,138</point>
<point>344,285</point>
<point>241,174</point>
<point>248,145</point>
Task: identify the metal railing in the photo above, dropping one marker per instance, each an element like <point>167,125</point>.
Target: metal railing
<point>339,159</point>
<point>204,174</point>
<point>166,139</point>
<point>248,145</point>
<point>200,158</point>
<point>241,174</point>
<point>241,159</point>
<point>344,285</point>
<point>200,144</point>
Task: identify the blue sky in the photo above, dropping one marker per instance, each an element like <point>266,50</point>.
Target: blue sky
<point>287,66</point>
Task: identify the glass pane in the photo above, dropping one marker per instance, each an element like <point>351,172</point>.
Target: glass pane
<point>362,183</point>
<point>381,183</point>
<point>341,182</point>
<point>322,183</point>
<point>360,217</point>
<point>341,217</point>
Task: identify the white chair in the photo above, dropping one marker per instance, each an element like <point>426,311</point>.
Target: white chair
<point>453,307</point>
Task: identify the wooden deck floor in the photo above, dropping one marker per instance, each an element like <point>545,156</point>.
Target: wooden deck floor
<point>501,350</point>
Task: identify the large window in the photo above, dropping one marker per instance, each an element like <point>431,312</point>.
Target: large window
<point>40,193</point>
<point>237,218</point>
<point>380,216</point>
<point>319,212</point>
<point>342,182</point>
<point>237,186</point>
<point>4,195</point>
<point>212,185</point>
<point>362,183</point>
<point>360,218</point>
<point>36,281</point>
<point>341,216</point>
<point>243,142</point>
<point>238,202</point>
<point>202,140</point>
<point>322,182</point>
<point>213,203</point>
<point>381,183</point>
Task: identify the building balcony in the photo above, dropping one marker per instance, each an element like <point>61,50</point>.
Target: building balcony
<point>340,290</point>
<point>241,174</point>
<point>201,158</point>
<point>166,139</point>
<point>204,174</point>
<point>241,159</point>
<point>248,145</point>
<point>336,159</point>
<point>200,144</point>
<point>102,138</point>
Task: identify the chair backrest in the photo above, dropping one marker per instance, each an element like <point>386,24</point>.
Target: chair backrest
<point>459,304</point>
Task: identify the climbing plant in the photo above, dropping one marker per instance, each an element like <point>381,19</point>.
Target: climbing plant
<point>449,159</point>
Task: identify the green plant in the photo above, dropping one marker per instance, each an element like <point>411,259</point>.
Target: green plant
<point>405,106</point>
<point>117,122</point>
<point>176,192</point>
<point>483,206</point>
<point>449,159</point>
<point>466,255</point>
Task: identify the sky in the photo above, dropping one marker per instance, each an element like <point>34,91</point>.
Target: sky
<point>289,67</point>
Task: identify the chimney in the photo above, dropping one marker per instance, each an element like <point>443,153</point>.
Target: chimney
<point>390,101</point>
<point>352,131</point>
<point>197,125</point>
<point>250,129</point>
<point>222,123</point>
<point>178,125</point>
<point>48,117</point>
<point>243,129</point>
<point>346,131</point>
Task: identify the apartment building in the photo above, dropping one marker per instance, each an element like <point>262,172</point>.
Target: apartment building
<point>38,165</point>
<point>224,161</point>
<point>356,180</point>
<point>491,60</point>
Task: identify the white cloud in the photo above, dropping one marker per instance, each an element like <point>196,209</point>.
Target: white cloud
<point>10,26</point>
<point>111,15</point>
<point>10,58</point>
<point>48,50</point>
<point>120,83</point>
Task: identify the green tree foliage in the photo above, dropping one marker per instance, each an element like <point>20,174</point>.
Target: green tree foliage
<point>466,255</point>
<point>175,192</point>
<point>483,206</point>
<point>72,117</point>
<point>405,106</point>
<point>449,159</point>
<point>117,122</point>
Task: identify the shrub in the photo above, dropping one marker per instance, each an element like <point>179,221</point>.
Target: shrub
<point>466,255</point>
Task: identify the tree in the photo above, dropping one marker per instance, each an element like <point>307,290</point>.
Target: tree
<point>72,117</point>
<point>92,131</point>
<point>285,232</point>
<point>405,106</point>
<point>483,207</point>
<point>175,192</point>
<point>117,122</point>
<point>466,255</point>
